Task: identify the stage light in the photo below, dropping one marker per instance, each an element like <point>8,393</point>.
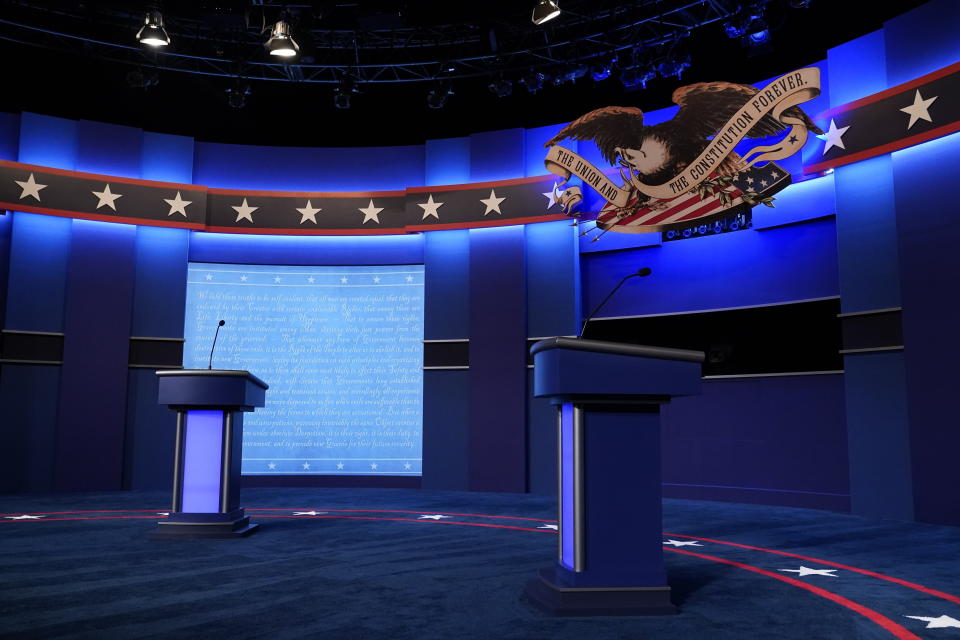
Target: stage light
<point>601,71</point>
<point>437,97</point>
<point>637,76</point>
<point>533,81</point>
<point>500,87</point>
<point>281,43</point>
<point>674,67</point>
<point>237,95</point>
<point>757,31</point>
<point>735,29</point>
<point>544,11</point>
<point>152,31</point>
<point>341,98</point>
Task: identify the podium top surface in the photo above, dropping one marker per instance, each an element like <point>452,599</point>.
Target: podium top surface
<point>214,373</point>
<point>618,348</point>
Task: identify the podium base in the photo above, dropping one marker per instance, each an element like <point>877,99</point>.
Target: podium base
<point>557,600</point>
<point>216,525</point>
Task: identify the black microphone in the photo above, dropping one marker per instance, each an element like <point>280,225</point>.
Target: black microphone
<point>213,346</point>
<point>645,271</point>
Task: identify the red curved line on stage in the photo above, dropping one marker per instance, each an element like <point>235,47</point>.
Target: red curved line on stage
<point>467,524</point>
<point>95,518</point>
<point>872,574</point>
<point>440,513</point>
<point>47,513</point>
<point>873,616</point>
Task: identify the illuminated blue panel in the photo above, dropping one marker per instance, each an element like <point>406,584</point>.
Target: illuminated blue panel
<point>553,279</point>
<point>447,303</point>
<point>857,69</point>
<point>306,250</point>
<point>236,166</point>
<point>798,202</point>
<point>167,158</point>
<point>567,480</point>
<point>342,351</point>
<point>534,151</point>
<point>9,136</point>
<point>923,40</point>
<point>496,155</point>
<point>110,149</point>
<point>39,248</point>
<point>202,451</point>
<point>159,289</point>
<point>447,161</point>
<point>48,141</point>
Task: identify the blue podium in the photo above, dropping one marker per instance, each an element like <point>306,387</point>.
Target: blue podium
<point>608,396</point>
<point>209,439</point>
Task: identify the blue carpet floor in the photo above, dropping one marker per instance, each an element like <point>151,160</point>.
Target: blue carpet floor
<point>369,564</point>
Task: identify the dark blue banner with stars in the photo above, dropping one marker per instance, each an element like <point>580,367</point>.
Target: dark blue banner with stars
<point>108,198</point>
<point>900,117</point>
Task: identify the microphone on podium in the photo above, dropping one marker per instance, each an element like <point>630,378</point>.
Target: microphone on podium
<point>641,273</point>
<point>213,346</point>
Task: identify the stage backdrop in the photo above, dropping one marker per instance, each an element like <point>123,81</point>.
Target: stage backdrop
<point>342,351</point>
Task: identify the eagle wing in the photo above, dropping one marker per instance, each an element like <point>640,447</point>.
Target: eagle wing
<point>707,106</point>
<point>609,128</point>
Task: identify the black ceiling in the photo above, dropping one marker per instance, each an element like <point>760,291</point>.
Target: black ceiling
<point>77,79</point>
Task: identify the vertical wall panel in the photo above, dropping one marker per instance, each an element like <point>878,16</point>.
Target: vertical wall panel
<point>497,155</point>
<point>446,414</point>
<point>446,285</point>
<point>447,161</point>
<point>28,395</point>
<point>498,358</point>
<point>9,136</point>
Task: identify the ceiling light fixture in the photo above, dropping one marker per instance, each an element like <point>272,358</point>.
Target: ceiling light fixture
<point>152,31</point>
<point>544,11</point>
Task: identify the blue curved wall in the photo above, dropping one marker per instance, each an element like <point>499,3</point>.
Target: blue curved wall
<point>98,284</point>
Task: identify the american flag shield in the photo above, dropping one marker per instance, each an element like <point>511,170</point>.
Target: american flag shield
<point>755,183</point>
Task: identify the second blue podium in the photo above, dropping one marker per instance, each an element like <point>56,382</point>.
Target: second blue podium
<point>608,395</point>
<point>206,471</point>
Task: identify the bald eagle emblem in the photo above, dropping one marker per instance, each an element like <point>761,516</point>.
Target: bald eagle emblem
<point>685,168</point>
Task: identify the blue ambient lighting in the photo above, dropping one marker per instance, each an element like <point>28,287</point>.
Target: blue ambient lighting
<point>567,480</point>
<point>202,461</point>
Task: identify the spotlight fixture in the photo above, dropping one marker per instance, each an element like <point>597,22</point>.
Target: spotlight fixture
<point>152,32</point>
<point>500,87</point>
<point>673,67</point>
<point>281,43</point>
<point>544,11</point>
<point>437,97</point>
<point>237,95</point>
<point>601,70</point>
<point>343,93</point>
<point>757,31</point>
<point>637,76</point>
<point>533,81</point>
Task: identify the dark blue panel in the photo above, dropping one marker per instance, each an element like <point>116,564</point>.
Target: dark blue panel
<point>166,158</point>
<point>320,250</point>
<point>929,263</point>
<point>446,416</point>
<point>6,234</point>
<point>39,246</point>
<point>93,395</point>
<point>553,280</point>
<point>923,40</point>
<point>498,360</point>
<point>150,430</point>
<point>878,436</point>
<point>497,155</point>
<point>28,395</point>
<point>856,69</point>
<point>715,272</point>
<point>802,201</point>
<point>867,235</point>
<point>776,440</point>
<point>229,166</point>
<point>534,151</point>
<point>542,443</point>
<point>110,149</point>
<point>446,285</point>
<point>48,141</point>
<point>160,287</point>
<point>447,161</point>
<point>9,136</point>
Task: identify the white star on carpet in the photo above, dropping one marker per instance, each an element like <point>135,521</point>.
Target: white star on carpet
<point>339,465</point>
<point>433,517</point>
<point>309,513</point>
<point>919,110</point>
<point>682,543</point>
<point>551,196</point>
<point>178,205</point>
<point>106,199</point>
<point>272,465</point>
<point>23,517</point>
<point>938,623</point>
<point>552,527</point>
<point>806,571</point>
<point>833,137</point>
<point>430,208</point>
<point>163,513</point>
<point>306,465</point>
<point>370,213</point>
<point>309,212</point>
<point>243,211</point>
<point>492,203</point>
<point>30,188</point>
